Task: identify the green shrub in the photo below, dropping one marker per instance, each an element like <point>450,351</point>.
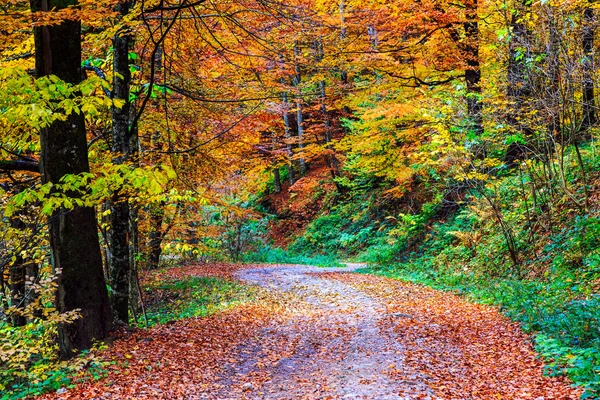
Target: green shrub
<point>276,255</point>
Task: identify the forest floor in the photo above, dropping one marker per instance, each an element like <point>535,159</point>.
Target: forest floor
<point>328,334</point>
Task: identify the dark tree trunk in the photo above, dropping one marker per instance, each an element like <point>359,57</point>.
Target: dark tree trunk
<point>553,99</point>
<point>17,278</point>
<point>519,88</point>
<point>120,259</point>
<point>589,103</point>
<point>155,236</point>
<point>134,240</point>
<point>299,113</point>
<point>343,37</point>
<point>330,158</point>
<point>276,180</point>
<point>17,291</point>
<point>288,138</point>
<point>119,265</point>
<point>73,233</point>
<point>473,71</point>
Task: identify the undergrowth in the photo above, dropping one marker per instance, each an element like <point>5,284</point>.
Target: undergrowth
<point>190,297</point>
<point>275,255</point>
<point>554,296</point>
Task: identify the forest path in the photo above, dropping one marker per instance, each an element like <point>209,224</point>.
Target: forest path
<point>319,333</point>
<point>336,343</point>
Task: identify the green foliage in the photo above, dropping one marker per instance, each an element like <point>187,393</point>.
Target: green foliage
<point>276,255</point>
<point>29,363</point>
<point>194,297</point>
<point>350,226</point>
<point>561,308</point>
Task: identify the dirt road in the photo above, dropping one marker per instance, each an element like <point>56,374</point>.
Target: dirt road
<point>331,334</point>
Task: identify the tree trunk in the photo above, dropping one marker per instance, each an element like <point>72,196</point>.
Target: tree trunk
<point>518,81</point>
<point>120,260</point>
<point>74,245</point>
<point>299,113</point>
<point>473,71</point>
<point>17,276</point>
<point>343,36</point>
<point>276,180</point>
<point>553,95</point>
<point>288,138</point>
<point>134,240</point>
<point>155,236</point>
<point>17,291</point>
<point>519,86</point>
<point>330,158</point>
<point>589,106</point>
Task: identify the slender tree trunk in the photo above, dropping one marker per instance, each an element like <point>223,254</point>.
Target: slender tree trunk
<point>74,242</point>
<point>120,258</point>
<point>17,277</point>
<point>589,103</point>
<point>519,88</point>
<point>134,240</point>
<point>553,99</point>
<point>299,113</point>
<point>155,236</point>
<point>473,71</point>
<point>276,180</point>
<point>17,291</point>
<point>288,138</point>
<point>343,36</point>
<point>331,159</point>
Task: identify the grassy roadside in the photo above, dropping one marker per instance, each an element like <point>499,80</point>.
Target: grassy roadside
<point>560,313</point>
<point>193,296</point>
<point>275,255</point>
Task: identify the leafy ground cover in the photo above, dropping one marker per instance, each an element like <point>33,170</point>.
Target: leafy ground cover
<point>276,255</point>
<point>561,310</point>
<point>194,297</point>
<point>310,333</point>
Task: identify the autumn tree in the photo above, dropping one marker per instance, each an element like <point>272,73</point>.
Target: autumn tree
<point>73,233</point>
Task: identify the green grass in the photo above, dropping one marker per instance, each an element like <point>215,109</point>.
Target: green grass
<point>194,297</point>
<point>275,255</point>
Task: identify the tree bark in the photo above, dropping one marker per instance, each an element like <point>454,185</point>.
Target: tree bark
<point>553,100</point>
<point>330,158</point>
<point>589,103</point>
<point>155,236</point>
<point>473,71</point>
<point>74,245</point>
<point>519,88</point>
<point>276,180</point>
<point>121,133</point>
<point>17,291</point>
<point>299,113</point>
<point>288,138</point>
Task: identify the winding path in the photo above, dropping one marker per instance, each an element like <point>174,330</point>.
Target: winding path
<point>321,333</point>
<point>339,346</point>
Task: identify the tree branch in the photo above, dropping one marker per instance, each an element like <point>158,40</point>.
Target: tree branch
<point>19,165</point>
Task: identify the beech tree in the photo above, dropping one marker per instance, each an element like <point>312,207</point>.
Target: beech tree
<point>73,233</point>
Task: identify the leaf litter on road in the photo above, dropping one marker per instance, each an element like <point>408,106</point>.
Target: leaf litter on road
<point>316,333</point>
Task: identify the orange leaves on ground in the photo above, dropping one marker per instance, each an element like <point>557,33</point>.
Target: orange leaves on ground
<point>174,361</point>
<point>219,270</point>
<point>461,350</point>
